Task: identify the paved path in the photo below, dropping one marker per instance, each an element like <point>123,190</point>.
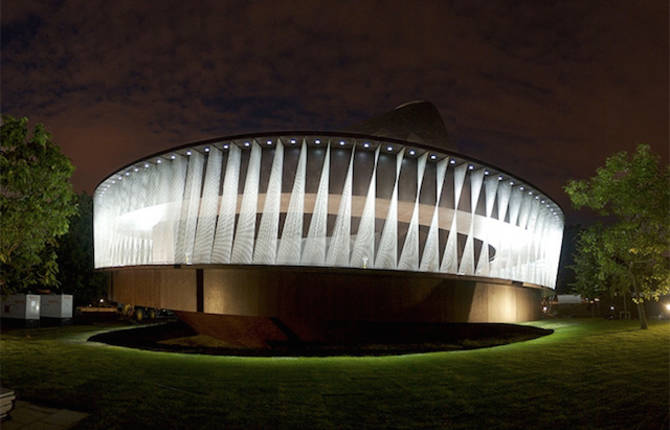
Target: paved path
<point>27,416</point>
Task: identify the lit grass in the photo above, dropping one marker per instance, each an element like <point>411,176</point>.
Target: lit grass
<point>588,374</point>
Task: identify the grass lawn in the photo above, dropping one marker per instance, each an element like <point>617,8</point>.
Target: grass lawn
<point>588,374</point>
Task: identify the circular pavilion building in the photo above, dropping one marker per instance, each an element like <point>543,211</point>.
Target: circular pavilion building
<point>279,234</point>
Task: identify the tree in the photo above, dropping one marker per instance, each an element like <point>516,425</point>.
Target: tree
<point>36,200</point>
<point>75,257</point>
<point>630,251</point>
<point>589,256</point>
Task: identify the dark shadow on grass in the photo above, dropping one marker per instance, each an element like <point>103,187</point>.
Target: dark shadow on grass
<point>350,339</point>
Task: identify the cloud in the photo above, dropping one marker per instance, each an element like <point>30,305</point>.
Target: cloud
<point>529,87</point>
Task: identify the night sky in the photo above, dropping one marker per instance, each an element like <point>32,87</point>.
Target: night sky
<point>546,90</point>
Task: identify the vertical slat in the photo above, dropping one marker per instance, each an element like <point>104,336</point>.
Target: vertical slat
<point>189,211</point>
<point>204,235</point>
<point>490,189</point>
<point>265,250</point>
<point>225,226</point>
<point>450,256</point>
<point>314,253</point>
<point>430,262</point>
<point>363,251</point>
<point>409,257</point>
<point>511,241</point>
<point>387,254</point>
<point>499,237</point>
<point>243,246</point>
<point>340,242</point>
<point>522,237</point>
<point>468,260</point>
<point>290,245</point>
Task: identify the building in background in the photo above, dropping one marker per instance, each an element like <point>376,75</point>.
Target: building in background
<point>384,223</point>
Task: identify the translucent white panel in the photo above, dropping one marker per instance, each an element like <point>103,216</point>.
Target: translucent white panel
<point>504,192</point>
<point>468,260</point>
<point>534,246</point>
<point>499,238</point>
<point>409,257</point>
<point>535,226</point>
<point>524,213</point>
<point>121,236</point>
<point>290,245</point>
<point>338,251</point>
<point>314,253</point>
<point>518,254</point>
<point>265,251</point>
<point>142,197</point>
<point>511,239</point>
<point>515,205</point>
<point>450,257</point>
<point>430,262</point>
<point>490,188</point>
<point>129,254</point>
<point>189,210</point>
<point>165,211</point>
<point>243,246</point>
<point>364,246</point>
<point>387,253</point>
<point>225,226</point>
<point>171,193</point>
<point>209,204</point>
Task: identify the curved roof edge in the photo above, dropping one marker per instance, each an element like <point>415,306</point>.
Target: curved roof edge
<point>345,134</point>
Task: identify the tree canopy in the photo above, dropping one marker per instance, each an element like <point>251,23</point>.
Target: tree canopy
<point>75,257</point>
<point>36,200</point>
<point>629,250</point>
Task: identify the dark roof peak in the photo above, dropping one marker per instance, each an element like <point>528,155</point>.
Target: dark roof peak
<point>415,121</point>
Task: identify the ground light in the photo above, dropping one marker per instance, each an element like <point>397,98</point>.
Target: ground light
<point>511,386</point>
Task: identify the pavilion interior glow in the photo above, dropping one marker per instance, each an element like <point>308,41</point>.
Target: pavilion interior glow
<point>326,201</point>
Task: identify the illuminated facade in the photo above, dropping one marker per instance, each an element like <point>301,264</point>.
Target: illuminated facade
<point>327,200</point>
<point>306,201</point>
